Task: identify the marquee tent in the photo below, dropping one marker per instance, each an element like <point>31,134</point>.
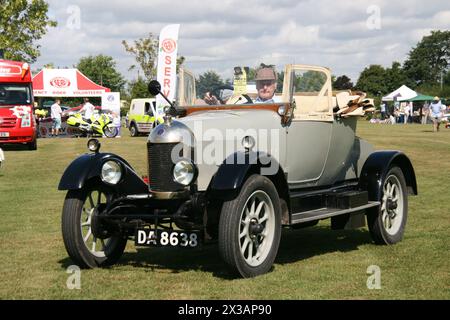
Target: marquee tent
<point>419,97</point>
<point>65,83</point>
<point>402,93</point>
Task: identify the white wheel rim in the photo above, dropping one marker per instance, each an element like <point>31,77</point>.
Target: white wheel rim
<point>94,245</point>
<point>258,212</point>
<point>392,205</point>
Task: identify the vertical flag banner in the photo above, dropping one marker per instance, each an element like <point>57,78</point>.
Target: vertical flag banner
<point>167,65</point>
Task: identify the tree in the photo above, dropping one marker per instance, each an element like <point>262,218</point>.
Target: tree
<point>373,80</point>
<point>396,77</point>
<point>22,23</point>
<point>138,89</point>
<point>430,59</point>
<point>342,83</point>
<point>145,52</point>
<point>102,70</point>
<point>207,81</point>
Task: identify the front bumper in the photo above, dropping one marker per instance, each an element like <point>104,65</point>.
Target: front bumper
<point>22,135</point>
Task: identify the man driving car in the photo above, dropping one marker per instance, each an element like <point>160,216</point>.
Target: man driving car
<point>266,84</point>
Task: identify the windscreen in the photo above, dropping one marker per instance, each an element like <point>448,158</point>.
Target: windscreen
<point>14,94</point>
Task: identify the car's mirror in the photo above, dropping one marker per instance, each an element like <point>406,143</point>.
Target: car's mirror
<point>154,87</point>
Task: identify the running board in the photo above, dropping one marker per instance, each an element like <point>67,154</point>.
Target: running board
<point>325,213</point>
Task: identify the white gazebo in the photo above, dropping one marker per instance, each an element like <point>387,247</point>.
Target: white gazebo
<point>402,93</point>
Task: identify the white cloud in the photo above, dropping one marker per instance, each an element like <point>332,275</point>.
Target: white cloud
<point>221,34</point>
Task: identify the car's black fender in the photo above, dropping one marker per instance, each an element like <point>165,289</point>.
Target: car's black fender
<point>88,167</point>
<point>376,167</point>
<point>233,172</point>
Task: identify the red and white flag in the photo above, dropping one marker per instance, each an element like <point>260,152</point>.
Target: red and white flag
<point>167,65</point>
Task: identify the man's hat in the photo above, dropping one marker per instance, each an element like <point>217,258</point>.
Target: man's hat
<point>266,74</point>
<point>436,98</point>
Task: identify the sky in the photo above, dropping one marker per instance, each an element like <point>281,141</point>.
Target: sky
<point>345,36</point>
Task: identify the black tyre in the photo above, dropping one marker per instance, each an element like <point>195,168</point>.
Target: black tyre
<point>133,130</point>
<point>387,222</point>
<point>32,145</point>
<point>250,228</point>
<point>78,217</point>
<point>110,131</point>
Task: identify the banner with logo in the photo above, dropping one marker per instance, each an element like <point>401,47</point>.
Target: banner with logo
<point>167,65</point>
<point>111,102</point>
<point>65,83</point>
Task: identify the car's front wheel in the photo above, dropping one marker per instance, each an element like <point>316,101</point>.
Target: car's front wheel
<point>250,228</point>
<point>387,222</point>
<point>88,244</point>
<point>133,130</point>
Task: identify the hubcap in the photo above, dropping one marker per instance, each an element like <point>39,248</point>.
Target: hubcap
<point>88,222</point>
<point>392,205</point>
<point>257,228</point>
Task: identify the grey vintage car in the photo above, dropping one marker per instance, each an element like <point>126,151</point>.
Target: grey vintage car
<point>236,174</point>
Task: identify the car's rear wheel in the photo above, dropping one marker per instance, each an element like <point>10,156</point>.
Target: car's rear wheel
<point>88,244</point>
<point>250,228</point>
<point>387,222</point>
<point>133,130</point>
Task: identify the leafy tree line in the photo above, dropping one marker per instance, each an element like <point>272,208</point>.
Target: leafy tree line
<point>426,69</point>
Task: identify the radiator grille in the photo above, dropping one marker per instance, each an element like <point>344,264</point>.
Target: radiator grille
<point>160,167</point>
<point>8,122</point>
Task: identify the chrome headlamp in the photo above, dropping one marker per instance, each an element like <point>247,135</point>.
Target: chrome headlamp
<point>184,172</point>
<point>93,145</point>
<point>111,172</point>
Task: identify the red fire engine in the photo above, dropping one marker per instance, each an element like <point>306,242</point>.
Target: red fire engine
<point>17,122</point>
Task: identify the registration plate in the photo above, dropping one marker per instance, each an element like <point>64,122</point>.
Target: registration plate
<point>166,238</point>
<point>4,134</point>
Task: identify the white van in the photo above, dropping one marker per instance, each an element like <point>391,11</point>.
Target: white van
<point>140,118</point>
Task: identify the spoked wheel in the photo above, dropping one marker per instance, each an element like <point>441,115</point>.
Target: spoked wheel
<point>87,241</point>
<point>387,223</point>
<point>250,228</point>
<point>110,131</point>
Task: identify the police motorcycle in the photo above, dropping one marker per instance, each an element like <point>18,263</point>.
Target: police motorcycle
<point>98,124</point>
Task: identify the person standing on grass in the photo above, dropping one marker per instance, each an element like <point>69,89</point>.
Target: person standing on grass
<point>436,113</point>
<point>425,112</point>
<point>55,113</point>
<point>383,110</point>
<point>87,110</point>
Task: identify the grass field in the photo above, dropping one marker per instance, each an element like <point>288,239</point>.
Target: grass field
<point>313,263</point>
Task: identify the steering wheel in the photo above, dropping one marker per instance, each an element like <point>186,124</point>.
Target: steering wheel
<point>216,92</point>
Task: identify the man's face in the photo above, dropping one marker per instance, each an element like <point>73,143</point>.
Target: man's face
<point>266,88</point>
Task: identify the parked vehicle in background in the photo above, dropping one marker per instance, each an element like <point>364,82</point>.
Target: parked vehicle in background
<point>141,119</point>
<point>17,122</point>
<point>99,125</point>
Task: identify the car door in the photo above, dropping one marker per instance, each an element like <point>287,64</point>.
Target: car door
<point>309,133</point>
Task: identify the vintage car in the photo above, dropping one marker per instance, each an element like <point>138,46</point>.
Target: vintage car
<point>237,174</point>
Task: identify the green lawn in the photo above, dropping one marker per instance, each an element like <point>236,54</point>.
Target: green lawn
<point>313,263</point>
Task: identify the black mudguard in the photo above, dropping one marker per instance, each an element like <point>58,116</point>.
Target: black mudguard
<point>376,167</point>
<point>233,172</point>
<point>88,167</point>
